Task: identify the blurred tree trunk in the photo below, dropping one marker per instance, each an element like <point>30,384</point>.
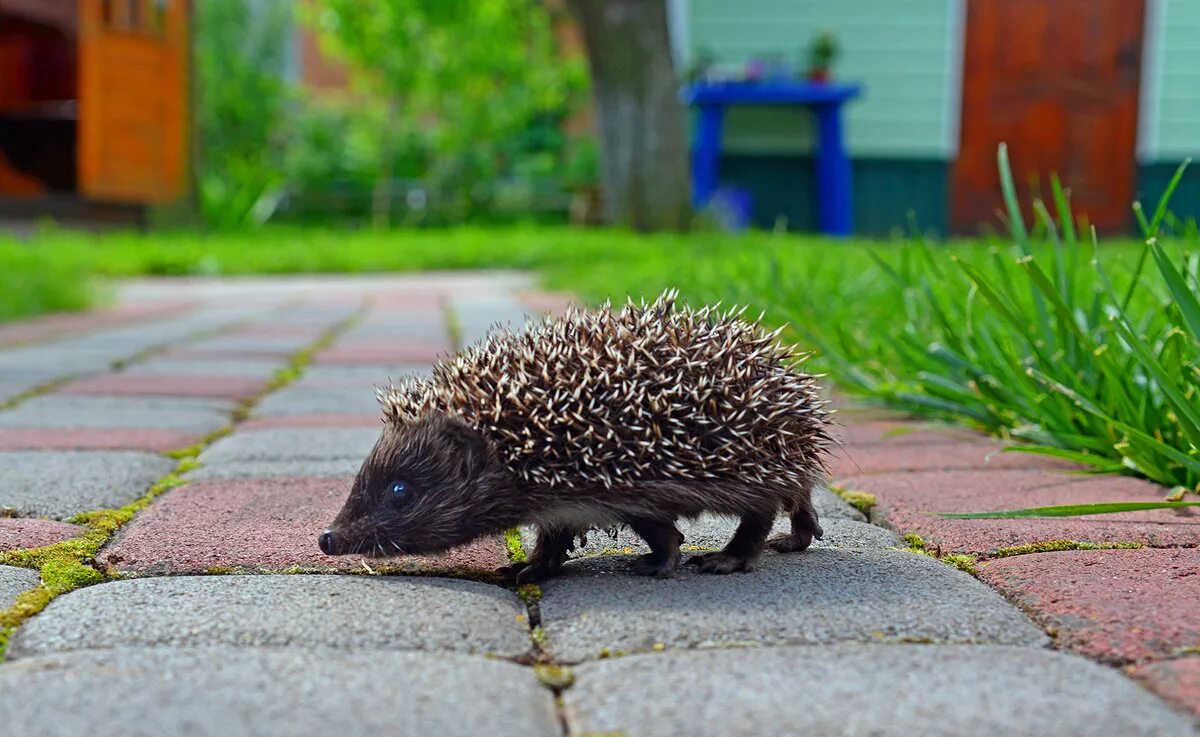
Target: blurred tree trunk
<point>643,148</point>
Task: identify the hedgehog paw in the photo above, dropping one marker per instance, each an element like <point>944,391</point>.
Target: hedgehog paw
<point>721,562</point>
<point>790,543</point>
<point>654,565</point>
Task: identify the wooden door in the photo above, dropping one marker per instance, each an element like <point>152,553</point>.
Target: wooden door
<point>133,95</point>
<point>1058,81</point>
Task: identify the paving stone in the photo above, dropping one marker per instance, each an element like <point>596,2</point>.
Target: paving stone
<point>711,532</point>
<point>14,582</point>
<point>95,439</point>
<point>902,433</point>
<point>909,503</point>
<point>1177,681</point>
<point>477,315</point>
<point>159,413</point>
<point>17,533</point>
<point>814,597</point>
<point>966,454</point>
<point>307,400</point>
<point>247,692</point>
<point>257,344</point>
<point>260,369</point>
<point>1119,606</point>
<point>862,691</point>
<point>61,484</point>
<point>376,352</point>
<point>260,525</point>
<point>365,375</point>
<point>55,326</point>
<point>333,419</point>
<point>182,385</point>
<point>287,444</point>
<point>344,468</point>
<point>830,505</point>
<point>343,612</point>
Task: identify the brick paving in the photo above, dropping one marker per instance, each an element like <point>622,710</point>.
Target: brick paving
<point>216,614</point>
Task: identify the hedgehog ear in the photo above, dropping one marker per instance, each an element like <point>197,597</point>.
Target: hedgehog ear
<point>470,449</point>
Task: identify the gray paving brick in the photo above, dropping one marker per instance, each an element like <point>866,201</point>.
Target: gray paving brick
<point>307,468</point>
<point>281,344</point>
<point>815,597</point>
<point>292,444</point>
<point>226,692</point>
<point>365,375</point>
<point>830,505</point>
<point>429,328</point>
<point>15,581</point>
<point>863,691</point>
<point>306,400</point>
<point>62,484</point>
<point>260,369</point>
<point>712,532</point>
<point>156,413</point>
<point>477,315</point>
<point>342,612</point>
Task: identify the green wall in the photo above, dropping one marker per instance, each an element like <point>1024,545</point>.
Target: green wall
<point>901,133</point>
<point>1169,125</point>
<point>900,49</point>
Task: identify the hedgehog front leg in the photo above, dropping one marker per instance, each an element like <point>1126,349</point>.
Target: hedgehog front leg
<point>805,527</point>
<point>553,544</point>
<point>664,540</point>
<point>743,550</point>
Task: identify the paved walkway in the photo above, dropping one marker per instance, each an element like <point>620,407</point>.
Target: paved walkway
<point>221,422</point>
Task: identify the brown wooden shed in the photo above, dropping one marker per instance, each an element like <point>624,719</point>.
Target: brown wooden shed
<point>94,105</point>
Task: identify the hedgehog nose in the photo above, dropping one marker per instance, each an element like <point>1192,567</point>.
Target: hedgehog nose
<point>325,540</point>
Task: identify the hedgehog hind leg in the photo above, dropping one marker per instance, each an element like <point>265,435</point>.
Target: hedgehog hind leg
<point>743,549</point>
<point>664,540</point>
<point>805,528</point>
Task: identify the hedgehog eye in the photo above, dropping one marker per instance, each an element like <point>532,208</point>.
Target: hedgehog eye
<point>398,487</point>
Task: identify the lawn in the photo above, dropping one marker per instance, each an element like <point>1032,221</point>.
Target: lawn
<point>1088,352</point>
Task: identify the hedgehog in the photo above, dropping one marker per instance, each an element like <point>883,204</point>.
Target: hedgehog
<point>634,417</point>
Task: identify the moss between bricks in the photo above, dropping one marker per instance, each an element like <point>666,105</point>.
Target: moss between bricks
<point>516,549</point>
<point>68,565</point>
<point>1055,546</point>
<point>860,500</point>
<point>916,544</point>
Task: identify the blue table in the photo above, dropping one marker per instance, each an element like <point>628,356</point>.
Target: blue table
<point>835,215</point>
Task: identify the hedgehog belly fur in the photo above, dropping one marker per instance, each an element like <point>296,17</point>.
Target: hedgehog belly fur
<point>618,399</point>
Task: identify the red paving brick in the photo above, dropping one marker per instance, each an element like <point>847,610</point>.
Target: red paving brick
<point>222,387</point>
<point>553,303</point>
<point>910,501</point>
<point>1119,606</point>
<point>408,302</point>
<point>261,524</point>
<point>356,351</point>
<point>34,533</point>
<point>966,454</point>
<point>900,432</point>
<point>1176,681</point>
<point>322,420</point>
<point>95,439</point>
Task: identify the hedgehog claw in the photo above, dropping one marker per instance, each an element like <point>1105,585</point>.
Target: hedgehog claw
<point>653,565</point>
<point>721,562</point>
<point>790,543</point>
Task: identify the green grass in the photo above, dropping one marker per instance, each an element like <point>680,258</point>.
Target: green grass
<point>34,281</point>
